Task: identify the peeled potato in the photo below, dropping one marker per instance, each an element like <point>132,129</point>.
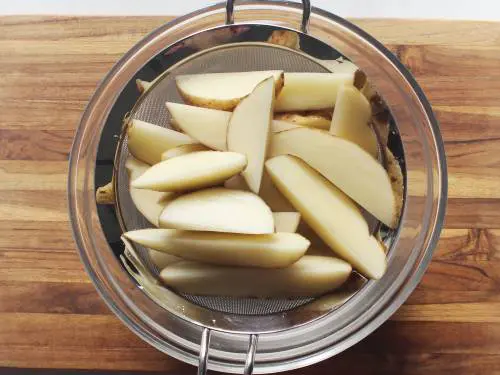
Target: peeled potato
<point>311,276</point>
<point>351,120</point>
<point>183,150</point>
<point>274,250</point>
<point>223,90</point>
<point>147,142</point>
<point>219,210</point>
<point>249,131</point>
<point>191,171</point>
<point>344,164</point>
<point>330,213</point>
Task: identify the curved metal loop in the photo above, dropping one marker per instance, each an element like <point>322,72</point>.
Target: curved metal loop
<point>204,346</point>
<point>306,14</point>
<point>252,348</point>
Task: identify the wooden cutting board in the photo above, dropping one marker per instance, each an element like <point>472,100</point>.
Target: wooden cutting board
<point>50,314</point>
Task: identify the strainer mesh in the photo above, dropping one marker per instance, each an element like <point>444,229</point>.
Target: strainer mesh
<point>152,109</point>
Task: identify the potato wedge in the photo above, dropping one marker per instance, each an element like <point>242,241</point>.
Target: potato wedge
<point>142,85</point>
<point>274,250</point>
<point>344,164</point>
<point>279,126</point>
<point>161,259</point>
<point>196,170</point>
<point>268,192</point>
<point>311,276</point>
<point>286,221</point>
<point>249,131</point>
<point>351,120</point>
<point>236,183</point>
<point>223,90</point>
<point>311,120</point>
<point>219,210</point>
<point>311,91</point>
<point>341,65</point>
<point>105,194</point>
<point>208,126</point>
<point>183,150</point>
<point>147,142</point>
<point>148,202</point>
<point>330,213</point>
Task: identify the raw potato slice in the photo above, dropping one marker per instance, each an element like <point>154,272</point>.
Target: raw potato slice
<point>183,150</point>
<point>341,66</point>
<point>147,142</point>
<point>236,183</point>
<point>274,250</point>
<point>330,213</point>
<point>273,197</point>
<point>309,91</point>
<point>311,276</point>
<point>311,120</point>
<point>318,246</point>
<point>219,210</point>
<point>350,120</point>
<point>161,259</point>
<point>208,126</point>
<point>286,221</point>
<point>268,192</point>
<point>344,164</point>
<point>196,170</point>
<point>279,126</point>
<point>249,131</point>
<point>148,202</point>
<point>142,85</point>
<point>223,90</point>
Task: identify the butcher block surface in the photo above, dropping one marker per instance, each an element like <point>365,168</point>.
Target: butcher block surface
<point>51,317</point>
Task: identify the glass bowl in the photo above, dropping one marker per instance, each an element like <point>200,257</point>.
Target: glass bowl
<point>316,332</point>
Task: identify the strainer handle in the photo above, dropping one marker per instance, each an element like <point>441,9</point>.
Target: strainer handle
<point>205,345</point>
<point>306,13</point>
<point>252,348</point>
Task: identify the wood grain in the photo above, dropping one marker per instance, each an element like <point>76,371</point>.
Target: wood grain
<point>50,314</point>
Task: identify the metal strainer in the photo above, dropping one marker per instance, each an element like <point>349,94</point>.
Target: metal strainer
<point>222,333</point>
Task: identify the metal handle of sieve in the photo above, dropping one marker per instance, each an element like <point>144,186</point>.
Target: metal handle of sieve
<point>205,345</point>
<point>306,14</point>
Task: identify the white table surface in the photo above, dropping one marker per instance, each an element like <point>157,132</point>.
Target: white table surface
<point>429,9</point>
